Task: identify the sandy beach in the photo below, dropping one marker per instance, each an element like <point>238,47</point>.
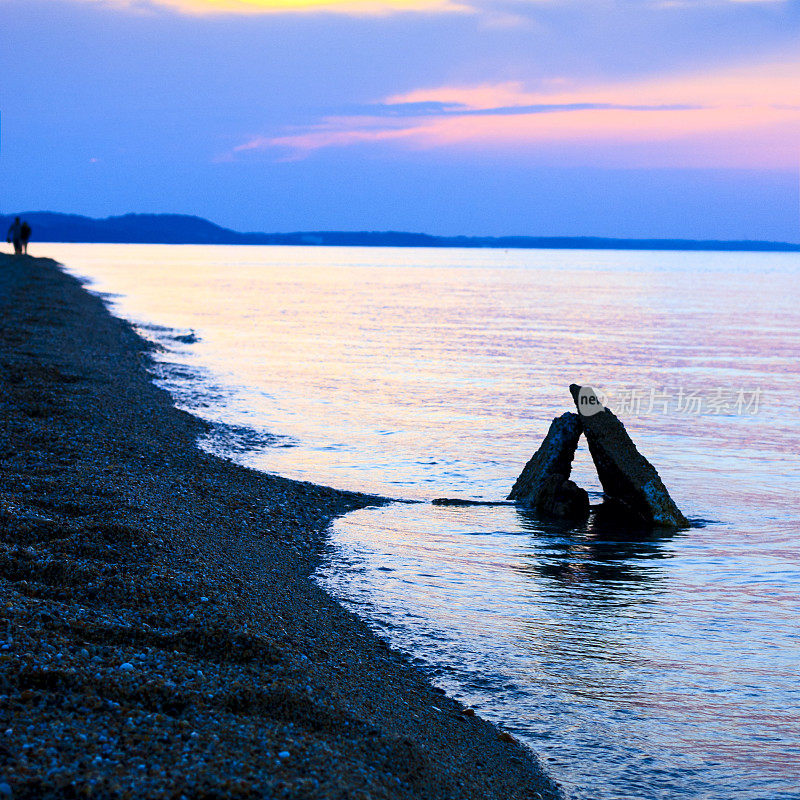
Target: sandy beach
<point>161,635</point>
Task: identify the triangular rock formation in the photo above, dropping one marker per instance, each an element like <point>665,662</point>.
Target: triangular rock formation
<point>628,478</point>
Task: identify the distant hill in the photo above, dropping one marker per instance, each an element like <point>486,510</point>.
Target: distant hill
<point>49,226</point>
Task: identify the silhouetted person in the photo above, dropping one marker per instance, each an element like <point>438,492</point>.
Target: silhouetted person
<point>15,235</point>
<point>25,236</point>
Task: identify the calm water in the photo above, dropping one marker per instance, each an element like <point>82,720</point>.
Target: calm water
<point>635,666</point>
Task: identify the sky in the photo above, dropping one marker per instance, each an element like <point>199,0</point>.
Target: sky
<point>630,118</point>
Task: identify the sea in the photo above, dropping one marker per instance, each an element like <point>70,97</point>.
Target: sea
<point>634,664</point>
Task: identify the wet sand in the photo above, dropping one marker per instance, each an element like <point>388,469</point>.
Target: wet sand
<point>160,635</point>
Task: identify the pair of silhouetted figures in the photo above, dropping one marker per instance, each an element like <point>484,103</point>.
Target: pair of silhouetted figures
<point>19,233</point>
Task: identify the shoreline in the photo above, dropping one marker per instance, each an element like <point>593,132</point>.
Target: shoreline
<point>162,635</point>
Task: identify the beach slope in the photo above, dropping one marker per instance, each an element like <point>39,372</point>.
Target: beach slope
<point>160,634</point>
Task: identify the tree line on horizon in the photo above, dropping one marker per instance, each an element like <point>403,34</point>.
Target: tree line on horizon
<point>51,226</point>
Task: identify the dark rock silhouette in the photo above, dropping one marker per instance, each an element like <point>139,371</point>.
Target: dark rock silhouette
<point>457,501</point>
<point>562,498</point>
<point>626,475</point>
<point>544,484</point>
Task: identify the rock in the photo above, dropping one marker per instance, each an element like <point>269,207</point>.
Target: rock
<point>456,501</point>
<point>554,457</point>
<point>626,475</point>
<point>562,498</point>
<point>544,483</point>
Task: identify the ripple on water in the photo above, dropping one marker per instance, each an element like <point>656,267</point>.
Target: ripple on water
<point>645,667</point>
<point>650,667</point>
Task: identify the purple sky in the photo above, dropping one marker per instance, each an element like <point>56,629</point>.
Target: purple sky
<point>670,118</point>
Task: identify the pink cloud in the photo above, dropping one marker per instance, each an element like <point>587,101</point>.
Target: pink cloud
<point>748,117</point>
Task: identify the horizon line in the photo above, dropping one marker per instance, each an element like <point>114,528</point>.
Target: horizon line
<point>406,238</point>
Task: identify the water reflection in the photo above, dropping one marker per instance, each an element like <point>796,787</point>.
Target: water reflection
<point>601,550</point>
<point>635,665</point>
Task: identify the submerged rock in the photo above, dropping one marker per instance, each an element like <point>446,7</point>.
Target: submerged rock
<point>562,498</point>
<point>626,475</point>
<point>456,501</point>
<point>544,483</point>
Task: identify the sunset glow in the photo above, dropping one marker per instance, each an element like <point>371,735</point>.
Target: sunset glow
<point>263,7</point>
<point>453,116</point>
<point>369,7</point>
<point>715,118</point>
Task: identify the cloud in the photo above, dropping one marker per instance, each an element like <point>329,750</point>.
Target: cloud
<point>265,7</point>
<point>441,109</point>
<point>745,117</point>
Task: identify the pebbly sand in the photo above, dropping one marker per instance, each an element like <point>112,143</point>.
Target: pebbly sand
<point>160,635</point>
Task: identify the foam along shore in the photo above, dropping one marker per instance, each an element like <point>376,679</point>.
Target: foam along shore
<point>161,635</point>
